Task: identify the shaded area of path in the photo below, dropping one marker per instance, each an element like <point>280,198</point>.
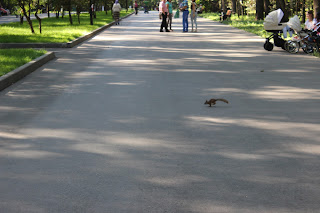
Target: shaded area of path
<point>118,125</point>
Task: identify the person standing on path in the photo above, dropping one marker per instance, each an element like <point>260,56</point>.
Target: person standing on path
<point>194,15</point>
<point>169,6</point>
<point>136,6</point>
<point>185,9</point>
<point>163,12</point>
<point>116,11</point>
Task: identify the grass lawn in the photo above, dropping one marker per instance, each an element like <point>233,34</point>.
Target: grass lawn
<point>247,23</point>
<point>54,30</point>
<point>11,59</point>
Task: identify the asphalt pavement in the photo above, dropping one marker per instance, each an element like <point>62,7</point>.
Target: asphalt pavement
<point>118,124</point>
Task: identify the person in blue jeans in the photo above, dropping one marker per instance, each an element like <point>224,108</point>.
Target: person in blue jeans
<point>185,9</point>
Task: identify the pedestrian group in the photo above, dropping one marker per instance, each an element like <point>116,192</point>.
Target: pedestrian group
<point>165,13</point>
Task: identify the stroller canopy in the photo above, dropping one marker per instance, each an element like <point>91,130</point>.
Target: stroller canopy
<point>294,23</point>
<point>272,21</point>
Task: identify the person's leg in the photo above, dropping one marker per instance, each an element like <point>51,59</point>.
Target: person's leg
<point>192,20</point>
<point>163,23</point>
<point>187,14</point>
<point>169,20</point>
<point>183,22</point>
<point>185,19</point>
<point>116,17</point>
<point>195,22</point>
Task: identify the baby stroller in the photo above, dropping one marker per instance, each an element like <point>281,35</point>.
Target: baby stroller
<point>305,39</point>
<point>301,40</point>
<point>272,24</point>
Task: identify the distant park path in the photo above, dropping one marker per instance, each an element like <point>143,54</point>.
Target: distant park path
<point>118,124</point>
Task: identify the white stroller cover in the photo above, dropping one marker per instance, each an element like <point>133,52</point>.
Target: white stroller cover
<point>273,19</point>
<point>295,24</point>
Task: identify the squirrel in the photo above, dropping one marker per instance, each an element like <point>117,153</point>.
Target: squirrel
<point>213,101</point>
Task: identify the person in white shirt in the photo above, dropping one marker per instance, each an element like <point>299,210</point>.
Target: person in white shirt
<point>116,12</point>
<point>310,22</point>
<point>317,24</point>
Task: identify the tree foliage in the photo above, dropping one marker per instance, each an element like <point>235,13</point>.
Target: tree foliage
<point>260,8</point>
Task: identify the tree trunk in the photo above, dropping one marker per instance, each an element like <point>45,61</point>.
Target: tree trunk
<point>316,7</point>
<point>234,6</point>
<point>70,17</point>
<point>38,18</point>
<point>278,4</point>
<point>79,18</point>
<point>90,12</point>
<point>22,6</point>
<point>303,11</point>
<point>29,8</point>
<point>292,8</point>
<point>94,9</point>
<point>223,6</point>
<point>21,19</point>
<point>127,5</point>
<point>30,23</point>
<point>282,6</point>
<point>297,6</point>
<point>259,10</point>
<point>78,13</point>
<point>48,9</point>
<point>266,7</point>
<point>70,8</point>
<point>106,6</point>
<point>238,8</point>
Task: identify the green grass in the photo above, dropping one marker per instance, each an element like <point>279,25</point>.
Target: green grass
<point>247,23</point>
<point>11,59</point>
<point>53,30</point>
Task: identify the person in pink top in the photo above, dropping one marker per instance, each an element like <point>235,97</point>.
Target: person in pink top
<point>164,13</point>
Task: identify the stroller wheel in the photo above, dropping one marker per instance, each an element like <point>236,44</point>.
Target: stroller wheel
<point>291,46</point>
<point>308,49</point>
<point>317,48</point>
<point>268,46</point>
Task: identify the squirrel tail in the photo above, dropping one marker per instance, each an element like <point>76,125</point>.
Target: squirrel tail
<point>224,100</point>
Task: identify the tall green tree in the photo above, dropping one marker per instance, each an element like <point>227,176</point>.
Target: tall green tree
<point>91,11</point>
<point>36,15</point>
<point>316,6</point>
<point>259,9</point>
<point>22,4</point>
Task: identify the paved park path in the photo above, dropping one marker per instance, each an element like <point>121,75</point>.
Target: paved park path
<point>118,124</point>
